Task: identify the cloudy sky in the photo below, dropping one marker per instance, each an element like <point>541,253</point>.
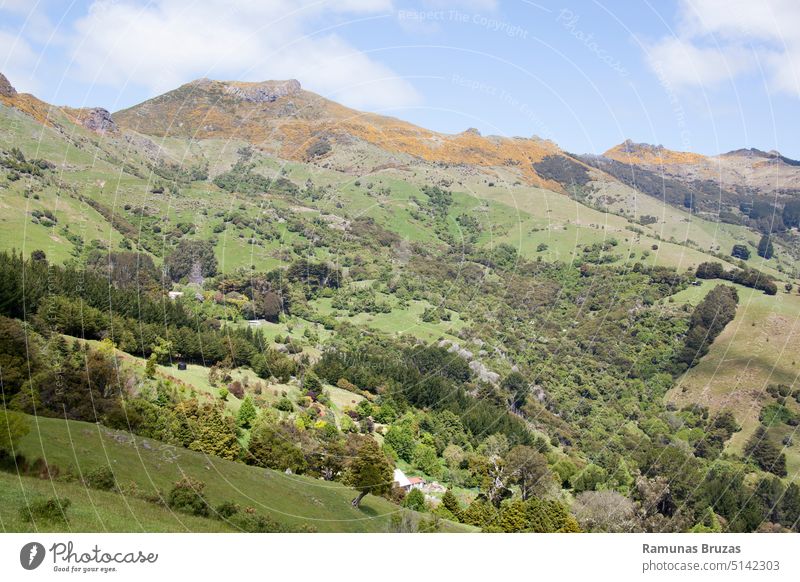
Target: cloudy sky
<point>698,75</point>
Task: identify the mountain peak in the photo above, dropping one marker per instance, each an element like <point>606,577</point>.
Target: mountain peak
<point>6,88</point>
<point>630,152</point>
<point>773,156</point>
<point>631,147</point>
<point>253,92</point>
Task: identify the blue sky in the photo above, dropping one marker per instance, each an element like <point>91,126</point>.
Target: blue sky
<point>697,75</point>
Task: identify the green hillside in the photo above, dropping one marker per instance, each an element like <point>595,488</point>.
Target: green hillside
<point>151,467</point>
<point>287,308</point>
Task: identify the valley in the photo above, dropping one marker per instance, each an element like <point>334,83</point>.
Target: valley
<point>249,305</point>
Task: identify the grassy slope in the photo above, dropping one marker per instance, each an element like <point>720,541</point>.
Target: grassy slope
<point>761,346</point>
<point>520,215</point>
<point>154,466</point>
<point>92,510</point>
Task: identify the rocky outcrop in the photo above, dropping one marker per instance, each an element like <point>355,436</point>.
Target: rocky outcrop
<point>483,373</point>
<point>631,147</point>
<point>265,92</point>
<point>98,120</point>
<point>6,89</point>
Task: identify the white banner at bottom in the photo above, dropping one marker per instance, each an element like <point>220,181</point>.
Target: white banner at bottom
<point>389,557</point>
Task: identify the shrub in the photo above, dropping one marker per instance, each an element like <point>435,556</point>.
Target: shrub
<point>187,496</point>
<point>236,389</point>
<point>52,509</point>
<point>101,478</point>
<point>284,404</point>
<point>227,509</point>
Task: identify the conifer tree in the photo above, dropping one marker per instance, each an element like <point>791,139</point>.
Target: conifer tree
<point>247,413</point>
<point>765,248</point>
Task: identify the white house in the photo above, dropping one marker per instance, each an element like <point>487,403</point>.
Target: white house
<point>406,483</point>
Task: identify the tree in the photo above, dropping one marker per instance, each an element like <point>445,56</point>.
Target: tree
<point>790,507</point>
<point>401,438</point>
<point>370,471</point>
<point>740,252</point>
<point>528,469</point>
<point>791,213</point>
<point>215,434</point>
<point>453,456</point>
<point>765,454</point>
<point>247,413</point>
<point>13,427</point>
<point>513,516</point>
<point>151,366</point>
<point>709,523</point>
<point>517,388</point>
<point>266,305</point>
<point>589,478</point>
<point>194,259</point>
<point>425,460</point>
<point>480,513</point>
<point>272,446</point>
<point>451,504</point>
<point>312,384</point>
<point>765,248</point>
<point>162,350</point>
<point>605,511</point>
<point>415,500</point>
<point>709,318</point>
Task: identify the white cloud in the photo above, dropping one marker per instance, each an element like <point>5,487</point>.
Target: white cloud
<point>682,63</point>
<point>163,43</point>
<point>718,40</point>
<point>18,62</point>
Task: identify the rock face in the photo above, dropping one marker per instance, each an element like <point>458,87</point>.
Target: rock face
<point>630,147</point>
<point>98,120</point>
<point>265,92</point>
<point>6,89</point>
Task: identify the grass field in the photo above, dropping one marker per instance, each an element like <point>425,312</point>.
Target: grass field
<point>91,510</point>
<point>761,346</point>
<point>153,466</point>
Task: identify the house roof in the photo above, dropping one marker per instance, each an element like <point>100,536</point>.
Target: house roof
<point>401,479</point>
<point>416,480</point>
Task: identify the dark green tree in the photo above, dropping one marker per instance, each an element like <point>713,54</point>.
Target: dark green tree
<point>528,469</point>
<point>765,454</point>
<point>272,446</point>
<point>740,252</point>
<point>517,388</point>
<point>765,248</point>
<point>790,507</point>
<point>370,471</point>
<point>451,504</point>
<point>194,259</point>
